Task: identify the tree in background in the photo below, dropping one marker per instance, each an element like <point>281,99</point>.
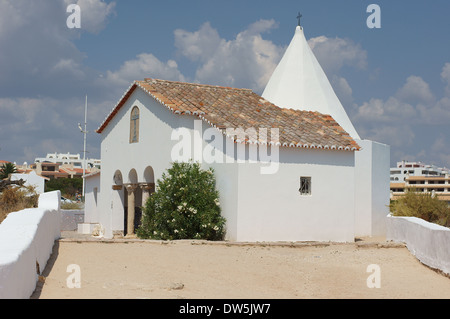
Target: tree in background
<point>6,169</point>
<point>68,186</point>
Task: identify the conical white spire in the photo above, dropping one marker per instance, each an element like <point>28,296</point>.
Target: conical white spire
<point>300,83</point>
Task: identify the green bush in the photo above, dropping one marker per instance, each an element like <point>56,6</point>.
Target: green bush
<point>185,205</point>
<point>422,205</point>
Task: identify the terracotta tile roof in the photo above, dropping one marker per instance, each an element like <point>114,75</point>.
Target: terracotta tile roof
<point>73,171</point>
<point>224,107</point>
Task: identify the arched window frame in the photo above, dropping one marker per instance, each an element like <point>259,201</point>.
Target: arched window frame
<point>134,125</point>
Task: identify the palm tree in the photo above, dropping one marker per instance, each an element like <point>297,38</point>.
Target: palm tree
<point>6,169</point>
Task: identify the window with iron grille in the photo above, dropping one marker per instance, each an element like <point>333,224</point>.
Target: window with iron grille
<point>305,186</point>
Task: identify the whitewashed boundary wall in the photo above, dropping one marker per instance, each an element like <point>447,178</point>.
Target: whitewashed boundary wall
<point>429,242</point>
<point>26,240</point>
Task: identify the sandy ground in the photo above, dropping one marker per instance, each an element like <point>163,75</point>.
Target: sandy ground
<point>189,269</point>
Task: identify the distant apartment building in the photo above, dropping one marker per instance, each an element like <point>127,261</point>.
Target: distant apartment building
<point>421,178</point>
<point>404,169</point>
<point>56,170</point>
<point>69,159</point>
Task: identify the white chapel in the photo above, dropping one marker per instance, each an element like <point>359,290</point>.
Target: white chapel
<point>289,164</point>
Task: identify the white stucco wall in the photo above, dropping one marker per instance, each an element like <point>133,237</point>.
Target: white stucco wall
<point>272,209</point>
<point>257,207</point>
<point>31,179</point>
<point>92,194</point>
<point>154,149</point>
<point>429,242</point>
<point>372,165</point>
<point>27,238</point>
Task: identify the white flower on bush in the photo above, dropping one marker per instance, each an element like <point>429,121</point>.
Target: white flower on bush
<point>216,228</point>
<point>216,201</point>
<point>175,231</point>
<point>155,232</point>
<point>180,208</point>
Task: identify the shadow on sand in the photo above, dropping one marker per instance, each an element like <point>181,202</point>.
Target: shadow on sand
<point>48,268</point>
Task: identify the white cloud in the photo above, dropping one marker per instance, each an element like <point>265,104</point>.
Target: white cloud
<point>94,13</point>
<point>445,75</point>
<point>397,136</point>
<point>145,65</point>
<point>413,103</point>
<point>35,126</point>
<point>246,61</point>
<point>335,53</point>
<point>38,55</point>
<point>413,121</point>
<point>68,68</point>
<point>198,45</point>
<point>415,90</point>
<point>393,110</point>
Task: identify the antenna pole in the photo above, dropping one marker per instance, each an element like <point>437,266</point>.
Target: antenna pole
<point>84,149</point>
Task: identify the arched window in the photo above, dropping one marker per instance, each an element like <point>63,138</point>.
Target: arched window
<point>134,125</point>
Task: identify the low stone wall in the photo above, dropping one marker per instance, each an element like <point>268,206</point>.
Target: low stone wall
<point>429,242</point>
<point>26,242</point>
<point>70,218</point>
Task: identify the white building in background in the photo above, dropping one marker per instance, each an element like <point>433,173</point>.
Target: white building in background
<point>406,169</point>
<point>328,185</point>
<point>31,179</point>
<point>421,178</point>
<point>69,159</point>
<point>92,192</point>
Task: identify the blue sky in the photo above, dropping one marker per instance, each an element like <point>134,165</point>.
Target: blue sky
<point>394,81</point>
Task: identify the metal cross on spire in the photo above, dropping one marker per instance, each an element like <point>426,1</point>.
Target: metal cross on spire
<point>298,17</point>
